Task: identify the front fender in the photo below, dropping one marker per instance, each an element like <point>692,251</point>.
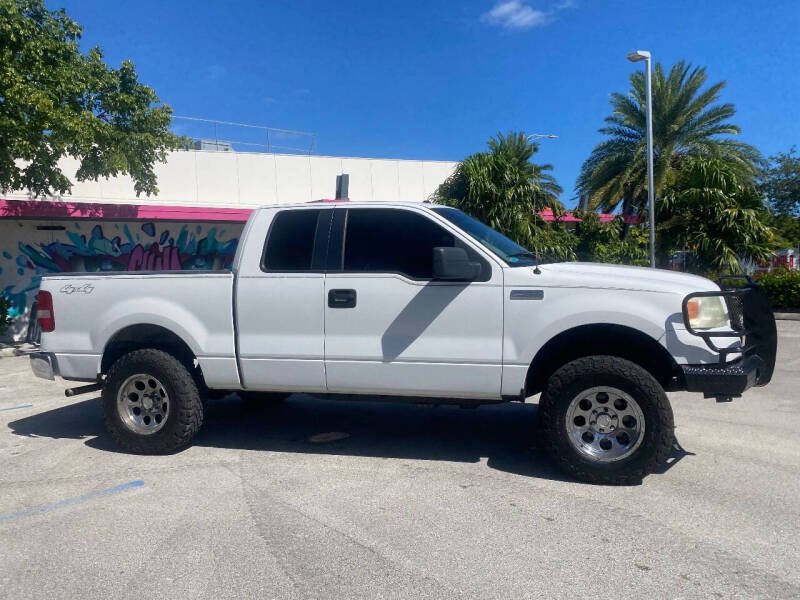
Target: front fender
<point>530,324</point>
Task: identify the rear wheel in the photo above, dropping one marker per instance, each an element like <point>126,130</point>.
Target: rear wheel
<point>151,402</point>
<point>606,420</point>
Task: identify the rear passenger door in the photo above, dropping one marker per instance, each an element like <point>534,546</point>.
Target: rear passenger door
<point>280,307</point>
<point>391,328</point>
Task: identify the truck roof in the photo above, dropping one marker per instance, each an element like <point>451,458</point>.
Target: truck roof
<point>317,203</point>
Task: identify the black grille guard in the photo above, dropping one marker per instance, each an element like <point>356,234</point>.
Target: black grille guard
<point>752,321</point>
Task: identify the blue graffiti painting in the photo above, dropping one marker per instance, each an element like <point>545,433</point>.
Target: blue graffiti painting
<point>77,252</point>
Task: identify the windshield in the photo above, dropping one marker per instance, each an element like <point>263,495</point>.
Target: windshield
<point>511,252</point>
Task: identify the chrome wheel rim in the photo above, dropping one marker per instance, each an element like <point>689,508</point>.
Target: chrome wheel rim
<point>605,424</point>
<point>143,404</point>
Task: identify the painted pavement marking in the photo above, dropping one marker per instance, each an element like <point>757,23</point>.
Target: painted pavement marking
<point>16,407</point>
<point>27,512</point>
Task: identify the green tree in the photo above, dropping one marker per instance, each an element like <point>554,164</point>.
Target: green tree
<point>56,101</point>
<point>780,183</point>
<point>600,242</point>
<point>787,230</point>
<point>717,213</point>
<point>5,319</point>
<point>686,124</point>
<point>506,190</point>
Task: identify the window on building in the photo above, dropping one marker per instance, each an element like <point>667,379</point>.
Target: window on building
<point>290,246</point>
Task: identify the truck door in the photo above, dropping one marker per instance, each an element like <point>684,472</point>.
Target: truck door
<point>390,327</point>
<point>280,305</point>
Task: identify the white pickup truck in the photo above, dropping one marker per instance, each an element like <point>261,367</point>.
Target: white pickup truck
<point>418,302</point>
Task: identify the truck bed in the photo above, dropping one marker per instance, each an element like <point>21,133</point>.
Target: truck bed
<point>91,308</point>
<point>129,273</point>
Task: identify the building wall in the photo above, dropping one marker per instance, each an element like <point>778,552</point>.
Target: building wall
<point>248,180</point>
<point>188,179</point>
<point>28,251</point>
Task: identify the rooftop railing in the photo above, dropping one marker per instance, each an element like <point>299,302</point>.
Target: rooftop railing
<point>209,134</point>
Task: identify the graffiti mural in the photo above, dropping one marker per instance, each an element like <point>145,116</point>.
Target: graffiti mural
<point>27,252</point>
<point>97,252</point>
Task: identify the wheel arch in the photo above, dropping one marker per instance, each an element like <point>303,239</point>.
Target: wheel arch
<point>601,339</point>
<point>148,335</point>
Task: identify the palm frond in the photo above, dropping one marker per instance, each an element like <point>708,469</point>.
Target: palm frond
<point>687,122</point>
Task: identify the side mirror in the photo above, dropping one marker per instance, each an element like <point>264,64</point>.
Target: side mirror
<point>451,263</point>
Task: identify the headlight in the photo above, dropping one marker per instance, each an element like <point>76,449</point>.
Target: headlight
<point>706,312</point>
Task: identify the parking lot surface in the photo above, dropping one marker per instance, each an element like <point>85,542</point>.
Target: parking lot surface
<point>315,498</point>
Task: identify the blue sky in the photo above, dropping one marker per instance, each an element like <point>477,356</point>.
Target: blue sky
<point>435,80</point>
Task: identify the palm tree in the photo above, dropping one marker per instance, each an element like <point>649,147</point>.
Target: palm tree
<point>503,188</point>
<point>715,212</point>
<point>686,123</point>
<point>517,150</point>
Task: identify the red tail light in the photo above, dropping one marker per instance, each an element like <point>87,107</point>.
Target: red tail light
<point>44,311</point>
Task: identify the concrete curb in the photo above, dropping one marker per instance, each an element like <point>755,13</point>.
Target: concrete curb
<point>791,316</point>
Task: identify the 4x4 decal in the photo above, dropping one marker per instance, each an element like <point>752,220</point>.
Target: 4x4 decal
<point>86,288</point>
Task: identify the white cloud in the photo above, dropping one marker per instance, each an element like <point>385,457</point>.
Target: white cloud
<point>516,15</point>
<point>513,14</point>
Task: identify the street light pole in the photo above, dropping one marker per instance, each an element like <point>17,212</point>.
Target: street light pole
<point>637,56</point>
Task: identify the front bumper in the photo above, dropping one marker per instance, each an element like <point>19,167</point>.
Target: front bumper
<point>44,365</point>
<point>753,322</point>
<point>726,379</point>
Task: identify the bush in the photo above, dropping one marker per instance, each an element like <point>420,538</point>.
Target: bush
<point>782,287</point>
<point>5,320</point>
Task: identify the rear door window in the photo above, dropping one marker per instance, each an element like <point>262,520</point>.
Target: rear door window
<point>290,244</point>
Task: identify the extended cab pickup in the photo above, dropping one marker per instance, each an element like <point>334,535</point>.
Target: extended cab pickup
<point>412,301</point>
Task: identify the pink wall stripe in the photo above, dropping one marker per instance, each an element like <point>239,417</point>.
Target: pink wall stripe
<point>45,209</point>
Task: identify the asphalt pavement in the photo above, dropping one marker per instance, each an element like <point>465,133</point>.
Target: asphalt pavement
<point>322,499</point>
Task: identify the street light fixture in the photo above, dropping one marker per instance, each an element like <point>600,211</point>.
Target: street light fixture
<point>638,56</point>
<point>547,136</point>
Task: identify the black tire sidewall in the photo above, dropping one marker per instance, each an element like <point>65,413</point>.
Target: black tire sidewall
<point>636,382</point>
<point>177,382</point>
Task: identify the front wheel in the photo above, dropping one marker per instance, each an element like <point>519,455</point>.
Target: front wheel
<point>606,420</point>
<point>151,402</point>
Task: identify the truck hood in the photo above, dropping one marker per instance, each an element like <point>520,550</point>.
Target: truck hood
<point>605,276</point>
